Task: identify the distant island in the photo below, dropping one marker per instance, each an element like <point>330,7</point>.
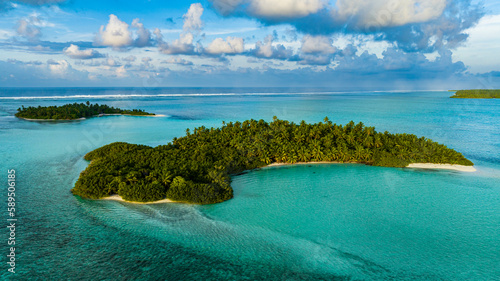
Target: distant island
<point>74,111</point>
<point>477,94</point>
<point>197,168</point>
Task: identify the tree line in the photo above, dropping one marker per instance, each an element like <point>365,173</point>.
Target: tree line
<point>197,168</point>
<point>477,94</point>
<point>73,111</point>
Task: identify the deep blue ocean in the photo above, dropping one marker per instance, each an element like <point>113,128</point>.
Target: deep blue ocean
<point>302,222</point>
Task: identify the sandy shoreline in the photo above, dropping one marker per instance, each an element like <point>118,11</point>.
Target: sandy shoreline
<point>52,120</point>
<point>455,167</point>
<point>119,198</point>
<point>305,163</point>
<point>83,118</point>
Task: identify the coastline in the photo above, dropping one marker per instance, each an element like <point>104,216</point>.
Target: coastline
<point>117,197</point>
<point>52,120</point>
<point>306,163</point>
<point>83,118</point>
<point>456,167</point>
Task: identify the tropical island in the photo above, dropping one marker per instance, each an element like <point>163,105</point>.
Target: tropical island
<point>74,111</point>
<point>197,168</point>
<point>477,94</point>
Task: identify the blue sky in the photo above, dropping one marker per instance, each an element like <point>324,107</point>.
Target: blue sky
<point>344,44</point>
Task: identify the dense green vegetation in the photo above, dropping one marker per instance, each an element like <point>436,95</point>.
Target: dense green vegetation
<point>73,111</point>
<point>197,168</point>
<point>477,94</point>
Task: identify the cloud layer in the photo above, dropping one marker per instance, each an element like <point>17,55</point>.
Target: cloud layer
<point>415,25</point>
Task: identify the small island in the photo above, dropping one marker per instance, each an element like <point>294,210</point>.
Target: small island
<point>477,94</point>
<point>197,168</point>
<point>74,111</point>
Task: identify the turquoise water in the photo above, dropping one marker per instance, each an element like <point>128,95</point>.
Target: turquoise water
<point>303,222</point>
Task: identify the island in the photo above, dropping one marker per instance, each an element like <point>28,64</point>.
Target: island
<point>197,168</point>
<point>477,94</point>
<point>74,111</point>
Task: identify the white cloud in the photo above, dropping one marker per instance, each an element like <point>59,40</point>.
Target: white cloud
<point>285,8</point>
<point>271,9</point>
<point>74,52</point>
<point>183,45</point>
<point>116,33</point>
<point>111,62</point>
<point>266,49</point>
<point>192,19</point>
<point>384,13</point>
<point>121,72</point>
<point>232,45</point>
<point>179,61</point>
<point>130,58</point>
<point>480,52</point>
<point>30,28</point>
<point>59,68</point>
<point>317,44</point>
<point>143,35</point>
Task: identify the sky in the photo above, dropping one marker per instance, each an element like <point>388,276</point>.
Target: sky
<point>342,44</point>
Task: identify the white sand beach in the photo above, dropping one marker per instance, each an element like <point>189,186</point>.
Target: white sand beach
<point>455,167</point>
<point>461,168</point>
<point>119,198</point>
<point>306,163</point>
<point>51,120</point>
<point>83,118</point>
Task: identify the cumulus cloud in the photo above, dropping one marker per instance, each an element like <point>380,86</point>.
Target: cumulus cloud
<point>74,52</point>
<point>285,8</point>
<point>316,50</point>
<point>270,9</point>
<point>317,45</point>
<point>117,34</point>
<point>413,25</point>
<point>383,13</point>
<point>232,45</point>
<point>183,45</point>
<point>192,19</point>
<point>58,67</point>
<point>143,35</point>
<point>267,50</point>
